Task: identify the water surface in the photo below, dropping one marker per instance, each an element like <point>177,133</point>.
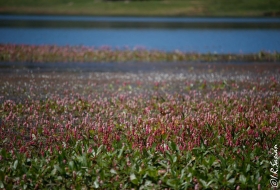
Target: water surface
<point>203,35</point>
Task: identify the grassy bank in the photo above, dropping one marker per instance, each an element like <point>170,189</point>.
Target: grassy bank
<point>144,8</point>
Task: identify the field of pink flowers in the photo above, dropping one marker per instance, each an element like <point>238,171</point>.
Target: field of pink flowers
<point>197,127</point>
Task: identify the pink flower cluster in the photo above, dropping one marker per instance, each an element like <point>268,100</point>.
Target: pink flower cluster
<point>142,121</point>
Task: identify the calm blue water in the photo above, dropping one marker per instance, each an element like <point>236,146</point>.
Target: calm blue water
<point>140,19</point>
<point>203,35</point>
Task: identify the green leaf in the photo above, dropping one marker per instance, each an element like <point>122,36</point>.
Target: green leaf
<point>242,179</point>
<point>152,172</point>
<point>169,157</point>
<point>183,173</point>
<point>58,168</point>
<point>164,136</point>
<point>15,164</point>
<point>53,173</point>
<point>205,184</point>
<point>33,137</point>
<point>99,150</point>
<point>4,152</point>
<point>174,158</point>
<point>248,168</point>
<point>121,151</point>
<point>82,159</point>
<point>113,171</point>
<point>173,146</point>
<point>133,179</point>
<point>231,181</point>
<point>2,175</point>
<point>96,184</point>
<point>147,184</point>
<point>5,140</point>
<point>1,185</point>
<point>229,174</point>
<point>59,178</point>
<point>71,165</point>
<point>172,182</point>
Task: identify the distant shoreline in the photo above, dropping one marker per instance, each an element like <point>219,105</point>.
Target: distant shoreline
<point>161,8</point>
<point>85,54</point>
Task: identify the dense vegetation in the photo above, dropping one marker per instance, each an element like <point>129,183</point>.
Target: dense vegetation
<point>52,53</point>
<point>144,8</point>
<point>210,127</point>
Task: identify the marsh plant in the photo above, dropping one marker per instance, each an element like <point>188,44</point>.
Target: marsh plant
<point>86,54</point>
<point>75,131</point>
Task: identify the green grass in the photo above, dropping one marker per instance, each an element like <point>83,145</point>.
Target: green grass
<point>143,8</point>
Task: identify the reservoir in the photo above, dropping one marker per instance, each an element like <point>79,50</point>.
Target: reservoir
<point>200,35</point>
